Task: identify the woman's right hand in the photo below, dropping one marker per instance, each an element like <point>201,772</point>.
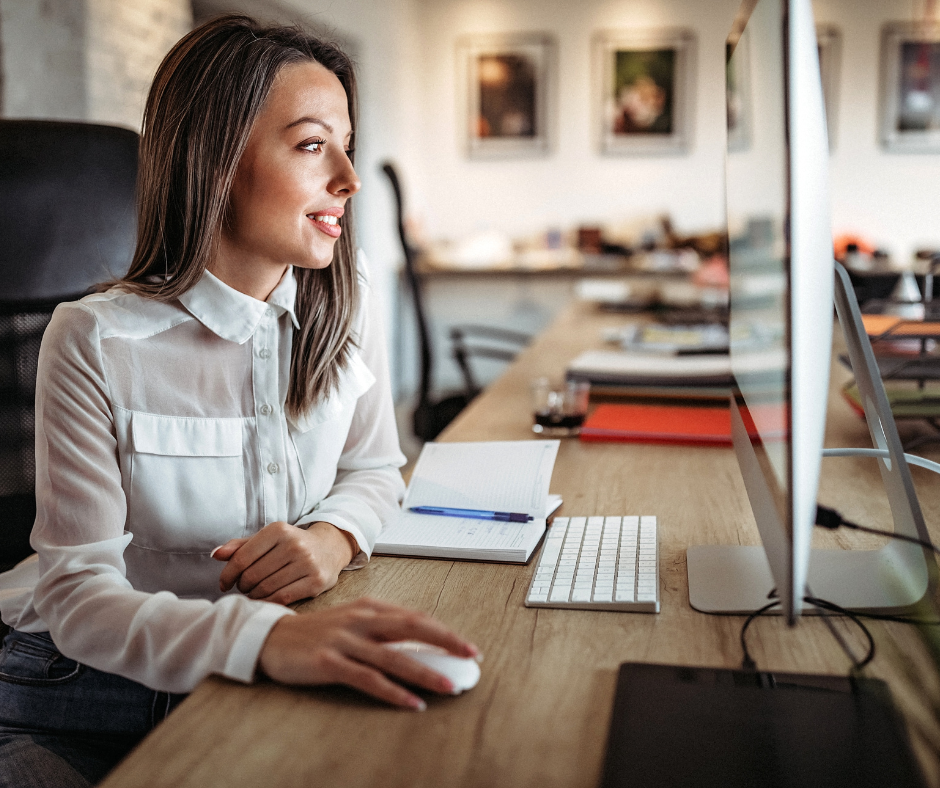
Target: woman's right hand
<point>343,645</point>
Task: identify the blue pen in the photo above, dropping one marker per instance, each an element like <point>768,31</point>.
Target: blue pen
<point>475,514</point>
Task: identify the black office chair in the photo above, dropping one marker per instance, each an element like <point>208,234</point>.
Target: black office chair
<point>67,222</point>
<point>432,414</point>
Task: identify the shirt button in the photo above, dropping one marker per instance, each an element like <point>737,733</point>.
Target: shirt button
<point>264,353</point>
<point>266,410</point>
<point>273,467</point>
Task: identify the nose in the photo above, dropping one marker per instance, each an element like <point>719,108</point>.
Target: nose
<point>345,182</point>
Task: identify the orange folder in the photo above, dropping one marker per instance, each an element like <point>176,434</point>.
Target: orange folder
<point>659,424</point>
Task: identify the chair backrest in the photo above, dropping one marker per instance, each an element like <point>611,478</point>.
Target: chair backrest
<point>67,222</point>
<point>414,282</point>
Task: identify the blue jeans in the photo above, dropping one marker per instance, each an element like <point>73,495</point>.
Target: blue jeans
<point>64,724</point>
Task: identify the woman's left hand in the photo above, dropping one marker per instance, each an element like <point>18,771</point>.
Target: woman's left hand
<point>283,563</point>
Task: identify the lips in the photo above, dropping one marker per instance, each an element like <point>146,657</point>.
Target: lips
<point>327,221</point>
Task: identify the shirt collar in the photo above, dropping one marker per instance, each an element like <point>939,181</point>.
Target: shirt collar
<point>283,296</point>
<point>233,315</point>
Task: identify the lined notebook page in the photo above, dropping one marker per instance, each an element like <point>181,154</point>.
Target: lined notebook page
<point>462,534</point>
<point>506,476</point>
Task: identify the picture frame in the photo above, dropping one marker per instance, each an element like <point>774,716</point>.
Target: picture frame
<point>644,91</point>
<point>910,87</point>
<point>829,43</point>
<point>507,94</point>
<point>739,99</point>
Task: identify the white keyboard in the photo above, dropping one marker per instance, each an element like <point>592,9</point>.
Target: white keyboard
<point>598,563</point>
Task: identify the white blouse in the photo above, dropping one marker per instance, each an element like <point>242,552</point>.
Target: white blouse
<point>161,434</point>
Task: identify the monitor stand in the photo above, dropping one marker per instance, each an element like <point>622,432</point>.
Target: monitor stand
<point>737,579</point>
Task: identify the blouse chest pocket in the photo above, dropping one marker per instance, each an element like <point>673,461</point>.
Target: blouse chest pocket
<point>187,482</point>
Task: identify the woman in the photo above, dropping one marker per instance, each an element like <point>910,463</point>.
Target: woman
<point>225,406</point>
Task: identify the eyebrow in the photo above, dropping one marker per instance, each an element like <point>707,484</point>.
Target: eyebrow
<point>318,121</point>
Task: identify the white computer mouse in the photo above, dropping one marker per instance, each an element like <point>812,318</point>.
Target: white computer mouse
<point>464,672</point>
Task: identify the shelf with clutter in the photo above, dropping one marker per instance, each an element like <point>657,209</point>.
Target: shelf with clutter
<point>902,319</point>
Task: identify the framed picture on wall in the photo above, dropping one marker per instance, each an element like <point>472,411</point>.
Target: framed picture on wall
<point>507,92</point>
<point>738,97</point>
<point>910,87</point>
<point>829,42</point>
<point>644,90</point>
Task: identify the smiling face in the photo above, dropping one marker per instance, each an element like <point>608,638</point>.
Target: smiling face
<point>291,185</point>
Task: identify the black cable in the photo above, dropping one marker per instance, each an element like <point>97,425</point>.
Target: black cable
<point>831,519</point>
<point>826,605</point>
<point>747,663</point>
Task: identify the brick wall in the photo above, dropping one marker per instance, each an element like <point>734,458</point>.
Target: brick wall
<point>125,42</point>
<point>85,59</point>
<point>43,62</point>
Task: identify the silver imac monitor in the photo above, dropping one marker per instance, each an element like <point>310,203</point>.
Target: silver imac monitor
<point>782,289</point>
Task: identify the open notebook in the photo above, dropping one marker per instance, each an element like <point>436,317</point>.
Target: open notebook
<point>509,476</point>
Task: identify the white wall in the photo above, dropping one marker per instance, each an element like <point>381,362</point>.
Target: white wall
<point>575,183</point>
<point>891,198</point>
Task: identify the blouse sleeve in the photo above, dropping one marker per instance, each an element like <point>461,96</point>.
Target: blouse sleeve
<point>368,487</point>
<point>93,613</point>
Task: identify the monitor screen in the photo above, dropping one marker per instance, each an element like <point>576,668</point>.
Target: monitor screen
<point>758,212</point>
<point>780,257</point>
<point>757,194</point>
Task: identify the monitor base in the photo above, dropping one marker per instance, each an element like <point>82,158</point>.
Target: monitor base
<point>736,579</point>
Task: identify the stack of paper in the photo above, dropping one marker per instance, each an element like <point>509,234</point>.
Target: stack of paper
<point>618,366</point>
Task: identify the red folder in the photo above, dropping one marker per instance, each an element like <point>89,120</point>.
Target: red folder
<point>659,424</point>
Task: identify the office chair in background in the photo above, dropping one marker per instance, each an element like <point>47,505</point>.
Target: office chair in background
<point>67,222</point>
<point>433,413</point>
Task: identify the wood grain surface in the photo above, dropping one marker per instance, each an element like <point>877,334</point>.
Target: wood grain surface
<point>540,713</point>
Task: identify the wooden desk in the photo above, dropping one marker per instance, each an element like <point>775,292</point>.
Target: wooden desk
<point>540,714</point>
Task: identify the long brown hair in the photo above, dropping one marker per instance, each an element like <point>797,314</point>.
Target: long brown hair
<point>202,105</point>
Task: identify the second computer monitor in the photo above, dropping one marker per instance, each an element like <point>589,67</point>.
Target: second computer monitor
<point>780,254</point>
<point>782,275</point>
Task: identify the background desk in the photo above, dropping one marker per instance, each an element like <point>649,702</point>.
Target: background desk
<point>520,299</point>
<point>539,716</point>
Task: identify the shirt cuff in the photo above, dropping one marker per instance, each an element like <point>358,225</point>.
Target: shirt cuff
<point>242,661</point>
